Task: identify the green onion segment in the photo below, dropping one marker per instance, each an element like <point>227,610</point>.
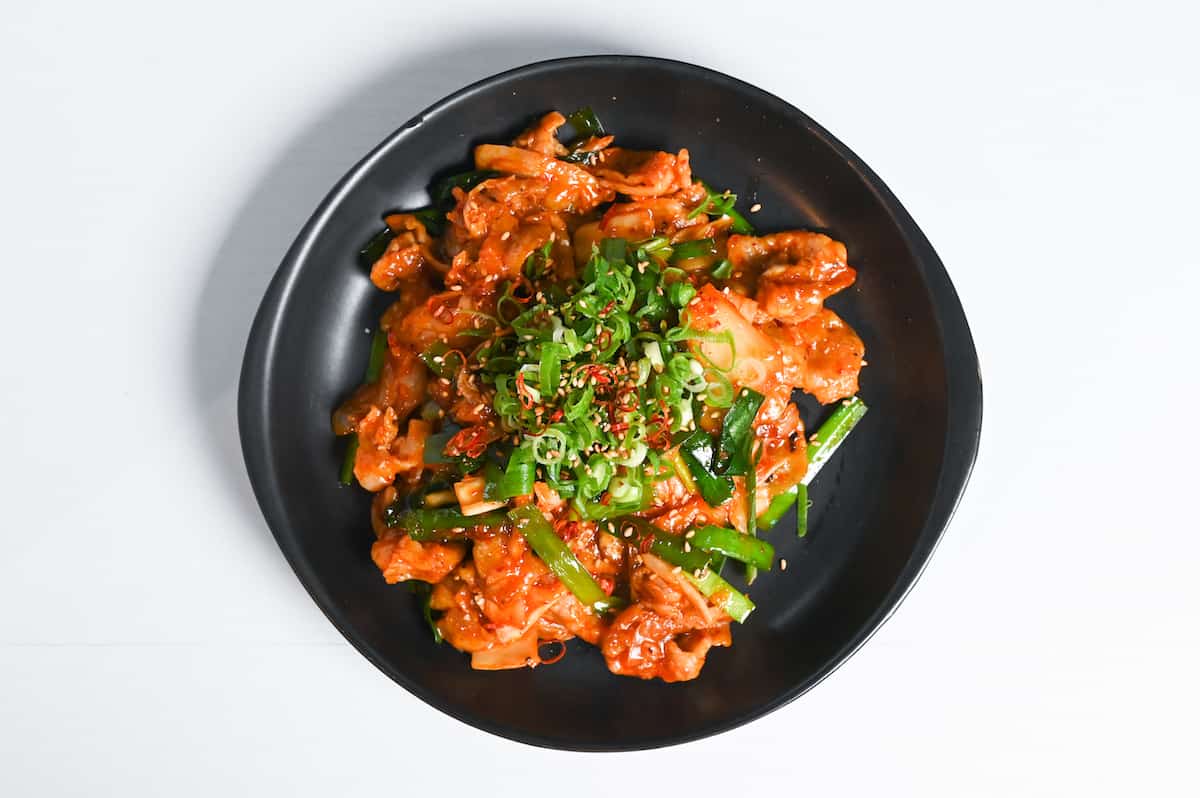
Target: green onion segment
<point>547,545</point>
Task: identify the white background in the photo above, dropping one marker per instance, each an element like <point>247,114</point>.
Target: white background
<point>156,163</point>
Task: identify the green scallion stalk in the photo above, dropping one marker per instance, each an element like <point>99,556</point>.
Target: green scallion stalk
<point>778,507</point>
<point>723,594</point>
<point>698,248</point>
<point>379,347</point>
<point>831,434</point>
<point>551,549</point>
<point>737,433</point>
<point>697,453</point>
<point>733,544</point>
<point>752,509</point>
<point>442,524</point>
<point>801,511</point>
<point>346,473</point>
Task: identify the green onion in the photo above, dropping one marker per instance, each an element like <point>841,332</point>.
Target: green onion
<point>379,348</point>
<point>697,453</point>
<point>442,360</point>
<point>680,468</point>
<point>831,434</point>
<point>441,524</point>
<point>681,293</point>
<point>346,473</point>
<point>735,604</point>
<point>585,123</point>
<point>518,475</point>
<point>801,511</point>
<point>373,250</point>
<point>722,204</point>
<point>737,433</point>
<point>722,270</point>
<point>551,549</point>
<point>434,220</point>
<point>613,250</point>
<point>424,592</point>
<point>778,507</point>
<point>693,249</point>
<point>731,543</point>
<point>595,476</point>
<point>672,549</point>
<point>442,193</point>
<point>751,509</point>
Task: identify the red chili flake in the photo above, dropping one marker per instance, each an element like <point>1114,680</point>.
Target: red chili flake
<point>567,530</point>
<point>608,308</point>
<point>606,584</point>
<point>523,392</point>
<point>647,542</point>
<point>471,441</point>
<point>556,416</point>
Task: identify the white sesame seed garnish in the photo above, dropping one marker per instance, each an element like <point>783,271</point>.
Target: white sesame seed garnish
<point>783,565</point>
<point>756,207</point>
<point>505,235</point>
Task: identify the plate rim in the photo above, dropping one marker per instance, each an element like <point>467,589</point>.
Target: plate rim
<point>964,387</point>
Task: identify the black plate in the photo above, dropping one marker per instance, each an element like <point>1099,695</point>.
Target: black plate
<point>879,508</point>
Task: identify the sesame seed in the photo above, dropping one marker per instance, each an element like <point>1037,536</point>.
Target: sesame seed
<point>691,533</point>
<point>783,565</point>
<point>505,236</point>
<point>687,546</point>
<point>756,207</point>
<point>456,288</point>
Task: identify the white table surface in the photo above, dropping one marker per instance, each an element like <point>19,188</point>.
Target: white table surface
<point>157,162</point>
